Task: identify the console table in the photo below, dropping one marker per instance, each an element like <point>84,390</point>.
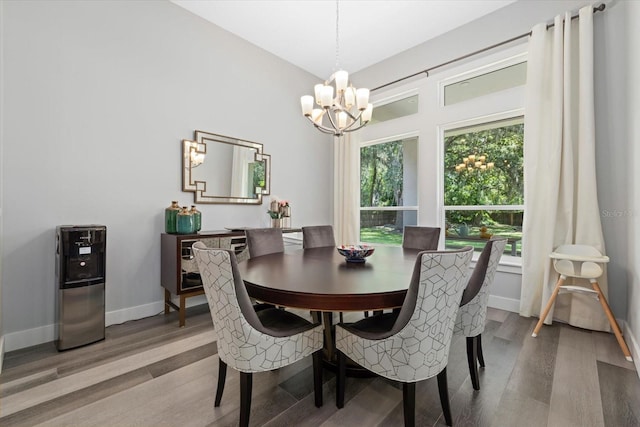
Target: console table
<point>178,270</point>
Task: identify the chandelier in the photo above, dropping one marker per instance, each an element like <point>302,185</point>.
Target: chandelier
<point>347,111</point>
<point>473,162</point>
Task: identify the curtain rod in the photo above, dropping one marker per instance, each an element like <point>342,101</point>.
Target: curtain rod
<point>426,71</point>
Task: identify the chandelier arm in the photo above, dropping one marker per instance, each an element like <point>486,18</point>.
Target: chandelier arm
<point>351,130</point>
<point>333,123</point>
<point>355,120</point>
<point>320,127</point>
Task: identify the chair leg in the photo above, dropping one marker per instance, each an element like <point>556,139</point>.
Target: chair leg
<point>479,350</point>
<point>317,377</point>
<point>545,313</point>
<point>222,375</point>
<point>409,404</point>
<point>612,321</point>
<point>340,379</point>
<point>246,381</point>
<point>443,389</point>
<point>472,357</point>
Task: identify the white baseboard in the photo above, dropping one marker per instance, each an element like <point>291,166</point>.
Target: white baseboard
<point>507,304</point>
<point>47,333</point>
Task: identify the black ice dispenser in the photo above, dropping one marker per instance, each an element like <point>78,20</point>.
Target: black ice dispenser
<point>80,278</point>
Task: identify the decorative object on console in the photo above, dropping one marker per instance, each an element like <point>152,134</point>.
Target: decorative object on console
<point>355,253</point>
<point>350,110</point>
<point>170,216</point>
<point>197,219</point>
<point>280,213</point>
<point>184,221</point>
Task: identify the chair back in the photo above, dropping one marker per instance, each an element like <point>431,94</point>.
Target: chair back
<point>318,236</point>
<point>472,315</point>
<point>264,241</point>
<point>422,238</point>
<point>418,345</point>
<point>237,325</point>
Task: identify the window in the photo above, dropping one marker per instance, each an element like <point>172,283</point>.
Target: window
<point>388,190</point>
<point>395,109</point>
<point>483,183</point>
<point>483,84</point>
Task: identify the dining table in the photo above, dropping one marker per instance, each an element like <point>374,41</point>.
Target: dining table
<point>322,281</point>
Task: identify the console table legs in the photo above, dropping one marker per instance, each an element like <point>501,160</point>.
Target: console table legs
<point>168,304</point>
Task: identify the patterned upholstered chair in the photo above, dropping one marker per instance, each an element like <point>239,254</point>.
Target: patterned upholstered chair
<point>264,241</point>
<point>317,236</point>
<point>472,315</point>
<point>413,345</point>
<point>251,341</point>
<point>422,238</point>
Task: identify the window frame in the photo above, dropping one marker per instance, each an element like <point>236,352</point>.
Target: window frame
<point>433,117</point>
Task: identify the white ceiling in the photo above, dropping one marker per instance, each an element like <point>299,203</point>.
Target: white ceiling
<point>303,32</point>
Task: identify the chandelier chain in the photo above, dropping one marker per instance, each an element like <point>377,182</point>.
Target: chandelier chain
<point>337,36</point>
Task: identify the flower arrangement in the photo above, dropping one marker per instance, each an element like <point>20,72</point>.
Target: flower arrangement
<point>278,211</point>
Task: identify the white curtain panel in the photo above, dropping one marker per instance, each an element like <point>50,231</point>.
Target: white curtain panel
<point>561,202</point>
<point>346,191</point>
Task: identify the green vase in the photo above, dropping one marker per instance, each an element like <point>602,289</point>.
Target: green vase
<point>197,218</point>
<point>170,216</point>
<point>184,222</point>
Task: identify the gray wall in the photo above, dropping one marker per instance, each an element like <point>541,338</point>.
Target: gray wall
<point>611,124</point>
<point>632,31</point>
<point>97,97</point>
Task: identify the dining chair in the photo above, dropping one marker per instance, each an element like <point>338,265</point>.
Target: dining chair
<point>416,237</point>
<point>422,238</point>
<point>581,262</point>
<point>264,241</point>
<point>412,345</point>
<point>317,236</point>
<point>471,318</point>
<point>252,341</point>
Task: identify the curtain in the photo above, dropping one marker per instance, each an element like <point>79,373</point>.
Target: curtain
<point>346,189</point>
<point>561,203</point>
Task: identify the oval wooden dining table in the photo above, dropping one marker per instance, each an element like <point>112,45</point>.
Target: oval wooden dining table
<point>320,280</point>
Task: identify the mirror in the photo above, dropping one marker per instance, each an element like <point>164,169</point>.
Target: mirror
<point>222,169</point>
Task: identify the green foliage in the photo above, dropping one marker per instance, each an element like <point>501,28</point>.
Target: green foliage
<point>381,173</point>
<point>501,185</point>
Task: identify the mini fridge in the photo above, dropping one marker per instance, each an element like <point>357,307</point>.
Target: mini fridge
<point>80,281</point>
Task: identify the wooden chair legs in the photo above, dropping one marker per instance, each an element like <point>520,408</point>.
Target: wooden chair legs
<point>246,383</point>
<point>605,306</point>
<point>472,360</point>
<point>545,313</point>
<point>409,404</point>
<point>222,375</point>
<point>479,350</point>
<point>443,389</point>
<point>612,321</point>
<point>317,377</point>
<point>340,379</point>
<point>408,393</point>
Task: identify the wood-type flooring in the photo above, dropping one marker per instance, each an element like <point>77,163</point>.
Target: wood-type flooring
<point>150,372</point>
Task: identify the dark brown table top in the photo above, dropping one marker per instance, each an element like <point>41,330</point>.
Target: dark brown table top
<point>321,279</point>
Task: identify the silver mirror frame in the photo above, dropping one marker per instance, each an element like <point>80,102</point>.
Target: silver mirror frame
<point>198,146</point>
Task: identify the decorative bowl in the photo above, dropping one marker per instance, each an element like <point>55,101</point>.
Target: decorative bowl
<point>355,253</point>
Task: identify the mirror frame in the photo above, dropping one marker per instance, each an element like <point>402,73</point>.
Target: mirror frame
<point>199,146</point>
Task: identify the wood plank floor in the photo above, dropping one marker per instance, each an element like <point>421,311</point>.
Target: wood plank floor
<point>150,372</point>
